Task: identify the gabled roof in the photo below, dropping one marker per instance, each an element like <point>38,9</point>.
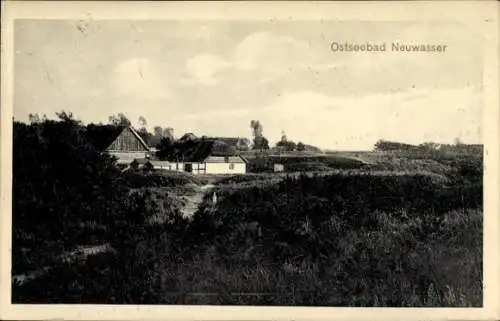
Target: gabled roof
<point>102,136</point>
<point>245,160</point>
<point>136,134</point>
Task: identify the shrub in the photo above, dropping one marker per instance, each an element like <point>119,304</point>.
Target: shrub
<point>386,240</point>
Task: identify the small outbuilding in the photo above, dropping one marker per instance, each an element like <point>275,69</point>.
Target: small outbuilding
<point>279,168</point>
<point>162,165</point>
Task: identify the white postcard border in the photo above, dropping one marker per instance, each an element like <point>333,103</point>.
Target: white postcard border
<point>480,16</point>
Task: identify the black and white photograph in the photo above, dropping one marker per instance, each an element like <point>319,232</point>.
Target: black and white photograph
<point>271,162</point>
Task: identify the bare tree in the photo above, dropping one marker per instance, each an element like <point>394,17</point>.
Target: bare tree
<point>142,122</point>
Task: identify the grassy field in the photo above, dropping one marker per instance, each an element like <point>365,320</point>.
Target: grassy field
<point>302,162</point>
<point>409,161</point>
<point>385,238</point>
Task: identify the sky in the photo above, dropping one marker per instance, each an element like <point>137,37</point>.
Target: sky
<point>213,77</point>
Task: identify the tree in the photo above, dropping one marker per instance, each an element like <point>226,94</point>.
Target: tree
<point>67,117</point>
<point>165,148</point>
<point>301,146</point>
<point>243,144</point>
<point>33,118</point>
<point>158,131</point>
<point>60,179</point>
<point>427,146</point>
<point>168,132</point>
<point>384,145</point>
<point>256,128</point>
<point>290,146</point>
<point>119,120</point>
<point>142,122</point>
<point>285,144</point>
<point>259,141</point>
<point>283,137</point>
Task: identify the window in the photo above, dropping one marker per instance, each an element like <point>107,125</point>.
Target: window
<point>231,166</point>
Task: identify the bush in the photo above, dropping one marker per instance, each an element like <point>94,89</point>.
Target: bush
<point>59,181</point>
<point>386,240</point>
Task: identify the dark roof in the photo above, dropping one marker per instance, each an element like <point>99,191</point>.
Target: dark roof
<point>200,153</point>
<point>101,136</point>
<point>230,141</point>
<point>188,136</point>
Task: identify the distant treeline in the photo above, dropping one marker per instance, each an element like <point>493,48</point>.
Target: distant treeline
<point>383,145</point>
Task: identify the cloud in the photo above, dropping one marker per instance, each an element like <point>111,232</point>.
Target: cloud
<point>139,78</point>
<point>203,68</point>
<point>272,58</point>
<point>265,50</point>
<point>268,54</point>
<point>413,116</point>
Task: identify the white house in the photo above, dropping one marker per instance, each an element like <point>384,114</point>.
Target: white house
<point>203,159</point>
<point>225,165</point>
<point>212,165</point>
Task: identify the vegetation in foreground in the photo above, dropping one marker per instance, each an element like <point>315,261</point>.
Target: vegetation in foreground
<point>337,240</point>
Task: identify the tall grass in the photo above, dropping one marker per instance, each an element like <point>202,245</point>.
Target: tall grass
<point>361,239</point>
<point>385,241</point>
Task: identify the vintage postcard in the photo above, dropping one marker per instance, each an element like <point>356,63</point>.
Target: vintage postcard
<point>249,161</point>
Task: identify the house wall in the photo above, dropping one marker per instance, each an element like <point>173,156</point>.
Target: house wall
<point>196,168</point>
<point>179,167</point>
<point>211,168</point>
<point>168,166</point>
<point>127,157</point>
<point>224,168</point>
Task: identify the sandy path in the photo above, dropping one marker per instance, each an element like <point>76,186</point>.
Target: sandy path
<point>194,199</point>
<point>81,252</point>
